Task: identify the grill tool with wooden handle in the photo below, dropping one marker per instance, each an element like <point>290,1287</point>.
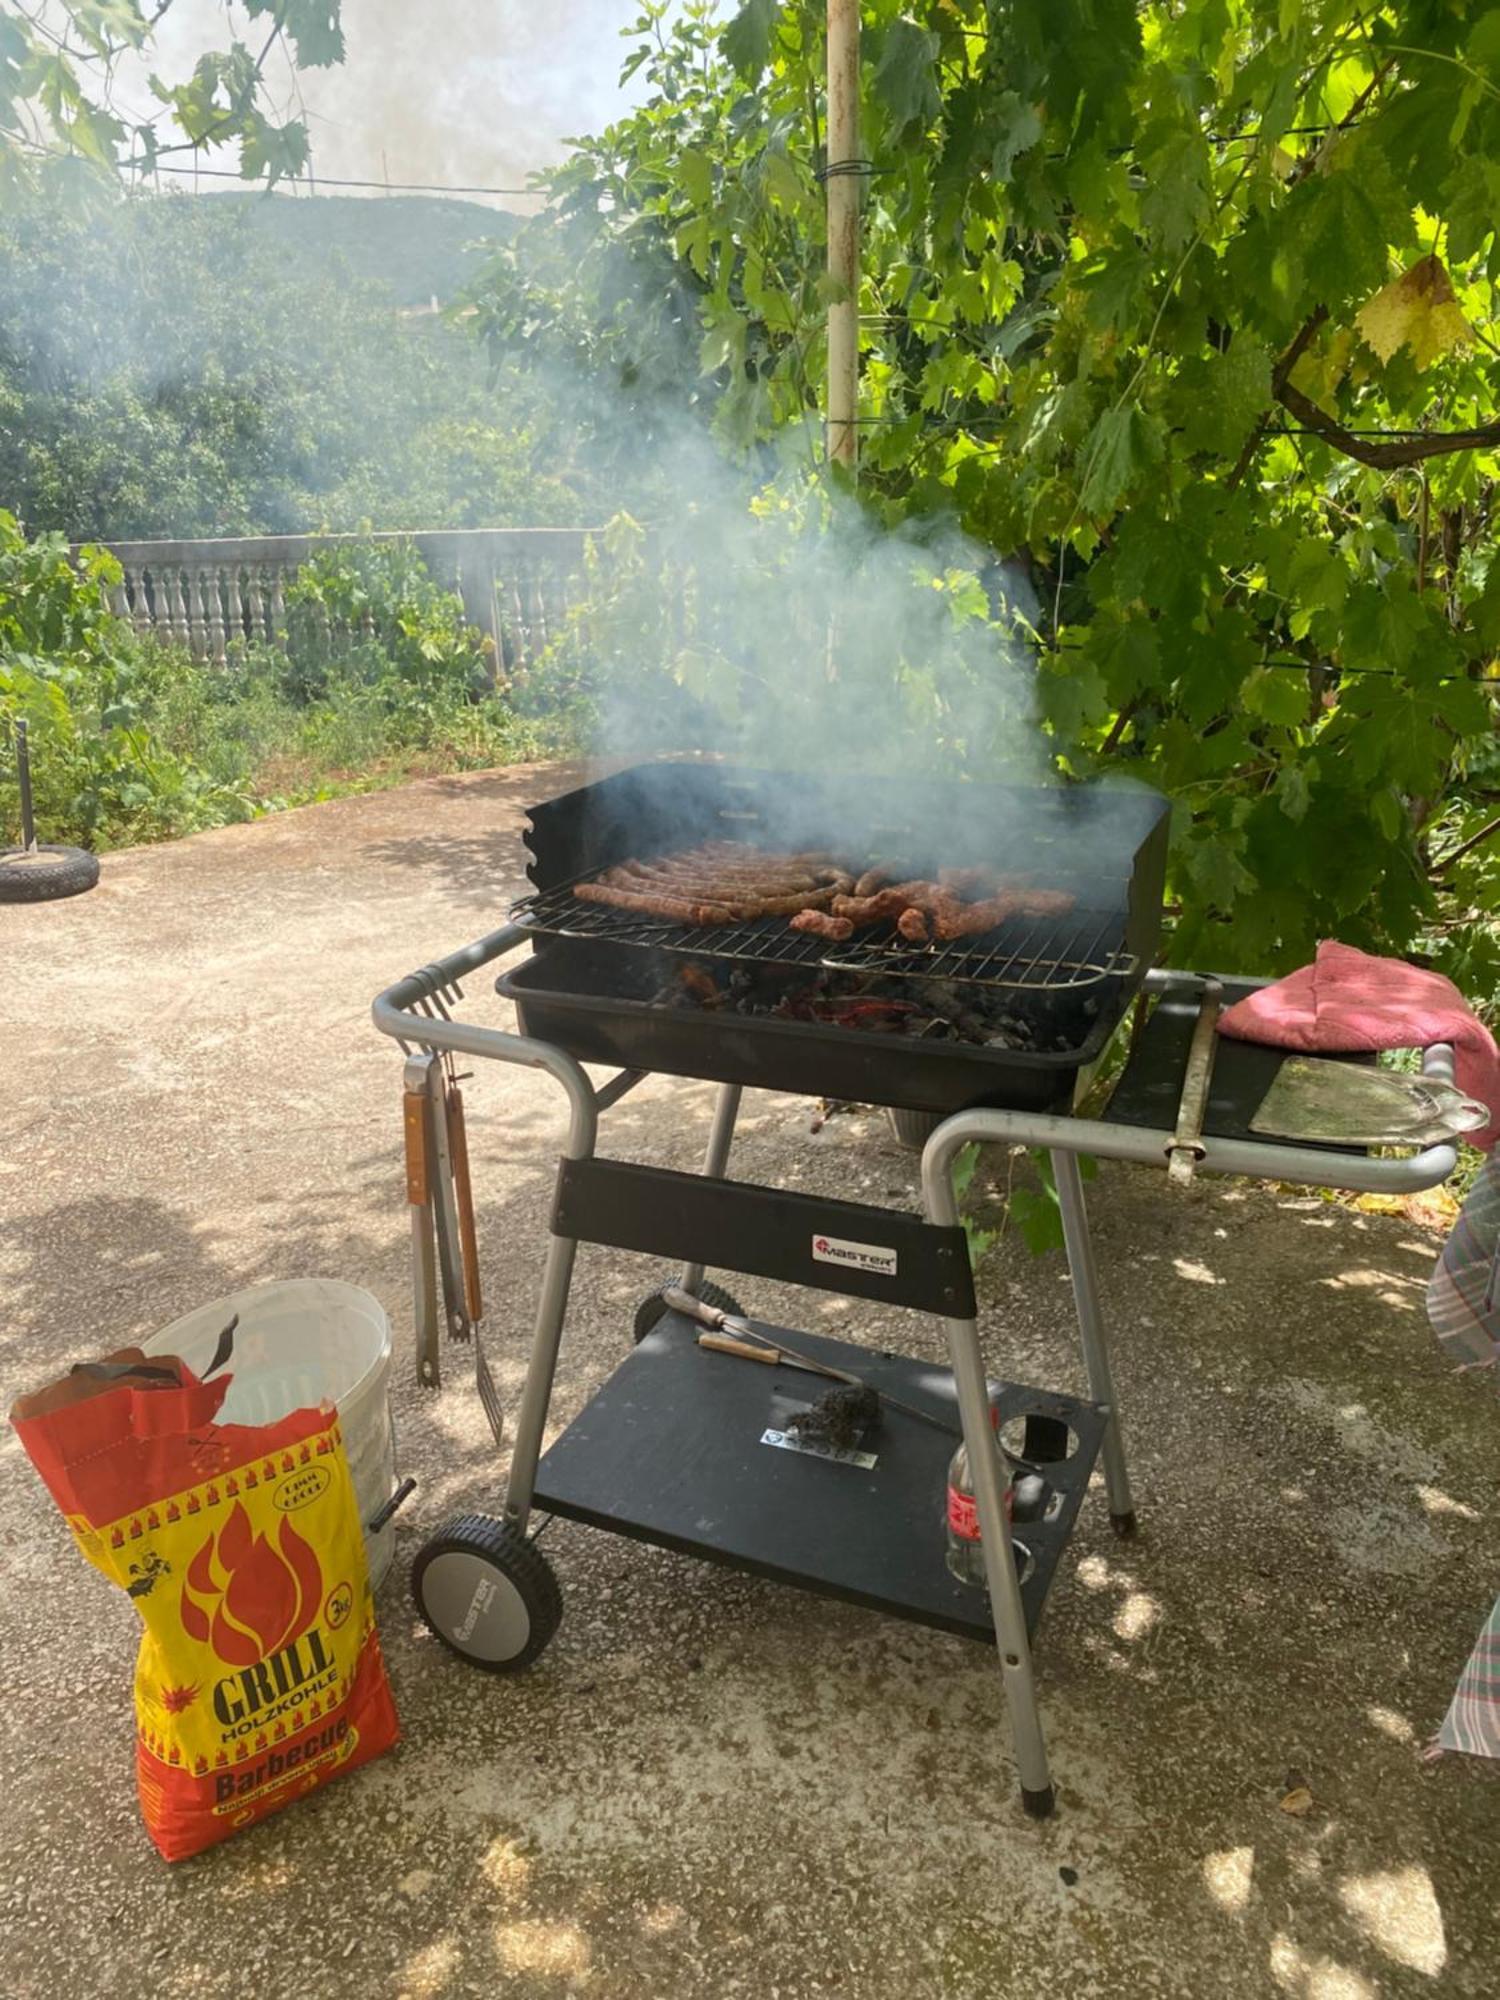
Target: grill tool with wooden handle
<point>415,1107</point>
<point>1187,1148</point>
<point>745,1334</point>
<point>468,1243</point>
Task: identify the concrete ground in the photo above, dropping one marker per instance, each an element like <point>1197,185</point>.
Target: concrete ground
<point>710,1785</point>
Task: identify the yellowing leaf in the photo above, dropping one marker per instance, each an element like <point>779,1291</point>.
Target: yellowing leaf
<point>1417,310</point>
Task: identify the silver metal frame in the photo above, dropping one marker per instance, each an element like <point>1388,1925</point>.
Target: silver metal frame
<point>415,1013</point>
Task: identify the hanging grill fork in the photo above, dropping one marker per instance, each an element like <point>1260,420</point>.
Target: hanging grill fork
<point>1040,954</point>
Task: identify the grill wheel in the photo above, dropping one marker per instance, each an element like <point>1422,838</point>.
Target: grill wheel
<point>488,1593</point>
<point>653,1305</point>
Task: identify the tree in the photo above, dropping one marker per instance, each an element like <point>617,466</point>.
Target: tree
<point>58,126</point>
<point>167,368</point>
<point>1187,308</point>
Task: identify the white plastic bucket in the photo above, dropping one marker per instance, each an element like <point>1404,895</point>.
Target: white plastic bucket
<point>304,1341</point>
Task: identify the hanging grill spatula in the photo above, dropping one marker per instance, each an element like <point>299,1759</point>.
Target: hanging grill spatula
<point>1355,1104</point>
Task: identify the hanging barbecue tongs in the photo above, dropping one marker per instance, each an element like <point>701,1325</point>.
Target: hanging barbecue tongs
<point>445,1243</point>
<point>468,1240</point>
<point>436,1246</point>
<point>416,1112</point>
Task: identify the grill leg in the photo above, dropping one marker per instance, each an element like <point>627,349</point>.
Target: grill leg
<point>1080,1246</point>
<point>531,1418</point>
<point>1000,1568</point>
<point>715,1160</point>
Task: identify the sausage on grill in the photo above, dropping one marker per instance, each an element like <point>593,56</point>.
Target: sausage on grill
<point>953,919</point>
<point>873,879</point>
<point>970,881</point>
<point>912,924</point>
<point>821,923</point>
<point>885,903</point>
<point>674,908</point>
<point>1044,902</point>
<point>668,878</point>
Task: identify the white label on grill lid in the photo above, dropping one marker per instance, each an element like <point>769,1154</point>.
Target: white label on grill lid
<point>872,1257</point>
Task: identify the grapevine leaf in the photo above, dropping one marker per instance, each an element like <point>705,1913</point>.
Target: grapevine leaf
<point>1124,443</point>
<point>1472,202</point>
<point>1020,126</point>
<point>1115,287</point>
<point>781,180</point>
<point>1219,398</point>
<point>696,173</point>
<point>1293,791</point>
<point>1418,311</point>
<point>905,79</point>
<point>275,151</point>
<point>312,25</point>
<point>1483,47</point>
<point>1276,696</point>
<point>747,38</point>
<point>1331,228</point>
<point>1177,200</point>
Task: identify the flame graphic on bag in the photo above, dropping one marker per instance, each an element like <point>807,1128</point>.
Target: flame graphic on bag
<point>269,1594</point>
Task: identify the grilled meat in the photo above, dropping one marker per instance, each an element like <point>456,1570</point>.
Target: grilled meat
<point>822,923</point>
<point>874,878</point>
<point>727,882</point>
<point>953,919</point>
<point>1044,902</point>
<point>675,909</point>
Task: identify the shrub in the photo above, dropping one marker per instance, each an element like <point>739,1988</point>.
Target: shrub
<point>88,688</point>
<point>378,677</point>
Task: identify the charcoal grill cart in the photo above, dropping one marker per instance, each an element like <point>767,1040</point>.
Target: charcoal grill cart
<point>686,1447</point>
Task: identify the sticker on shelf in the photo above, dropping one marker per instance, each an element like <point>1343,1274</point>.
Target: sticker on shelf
<point>872,1257</point>
<point>814,1448</point>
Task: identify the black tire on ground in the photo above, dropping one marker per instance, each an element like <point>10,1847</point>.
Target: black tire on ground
<point>488,1593</point>
<point>653,1305</point>
<point>45,874</point>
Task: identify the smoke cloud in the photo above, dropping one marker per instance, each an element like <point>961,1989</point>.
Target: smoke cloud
<point>470,92</point>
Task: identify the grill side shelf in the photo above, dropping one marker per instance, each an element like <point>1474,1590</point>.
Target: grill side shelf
<point>832,1246</point>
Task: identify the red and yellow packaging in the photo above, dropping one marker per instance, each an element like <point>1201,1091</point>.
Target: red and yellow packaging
<point>259,1675</point>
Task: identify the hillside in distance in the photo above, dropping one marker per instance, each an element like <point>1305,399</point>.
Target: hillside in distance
<point>418,247</point>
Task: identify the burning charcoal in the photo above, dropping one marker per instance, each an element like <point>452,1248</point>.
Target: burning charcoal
<point>699,983</point>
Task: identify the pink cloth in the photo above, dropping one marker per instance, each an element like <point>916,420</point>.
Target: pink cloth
<point>1347,1001</point>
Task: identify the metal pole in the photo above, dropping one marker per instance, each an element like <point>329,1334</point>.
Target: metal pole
<point>1081,1268</point>
<point>844,173</point>
<point>996,1545</point>
<point>720,1138</point>
<point>23,777</point>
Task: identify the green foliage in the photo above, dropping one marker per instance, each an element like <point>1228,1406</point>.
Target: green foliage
<point>59,129</point>
<point>1034,1212</point>
<point>378,678</point>
<point>88,690</point>
<point>1160,303</point>
<point>166,369</point>
<point>371,612</point>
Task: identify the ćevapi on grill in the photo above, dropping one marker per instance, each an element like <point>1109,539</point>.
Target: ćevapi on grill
<point>647,951</point>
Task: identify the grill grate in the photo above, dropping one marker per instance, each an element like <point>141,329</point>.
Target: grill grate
<point>1039,954</point>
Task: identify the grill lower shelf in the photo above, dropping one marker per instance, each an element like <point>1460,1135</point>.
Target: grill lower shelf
<point>669,1452</point>
<point>558,999</point>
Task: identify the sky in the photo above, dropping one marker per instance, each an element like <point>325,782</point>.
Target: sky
<point>472,91</point>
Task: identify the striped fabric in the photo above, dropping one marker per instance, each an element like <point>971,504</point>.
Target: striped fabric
<point>1463,1294</point>
<point>1463,1306</point>
<point>1473,1719</point>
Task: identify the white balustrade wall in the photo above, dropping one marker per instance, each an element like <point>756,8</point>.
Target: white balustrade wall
<point>517,584</point>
